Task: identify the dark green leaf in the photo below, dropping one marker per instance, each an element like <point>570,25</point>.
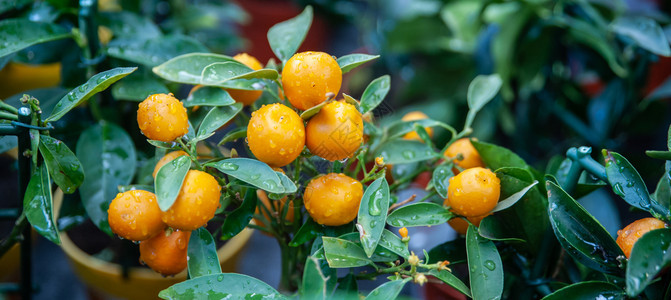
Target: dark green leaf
<point>388,290</point>
<point>154,51</point>
<point>38,202</point>
<point>375,93</point>
<point>393,243</point>
<point>169,179</point>
<point>217,117</point>
<point>344,254</point>
<point>220,72</point>
<point>580,234</point>
<point>627,183</point>
<point>7,5</point>
<point>373,214</point>
<point>512,199</point>
<point>94,85</point>
<point>645,32</point>
<point>380,254</point>
<point>234,135</point>
<point>351,61</point>
<point>202,251</point>
<point>440,179</point>
<point>496,157</point>
<point>405,151</point>
<point>485,266</point>
<point>452,251</point>
<point>665,155</point>
<point>650,255</point>
<point>663,191</point>
<point>312,111</point>
<point>453,281</point>
<point>165,145</point>
<point>348,289</point>
<point>308,232</point>
<point>208,96</point>
<point>18,34</point>
<point>419,214</point>
<point>495,228</point>
<point>255,173</point>
<point>221,286</point>
<point>285,37</point>
<point>108,158</point>
<point>240,217</point>
<point>63,165</point>
<point>138,88</point>
<point>480,91</point>
<point>587,290</point>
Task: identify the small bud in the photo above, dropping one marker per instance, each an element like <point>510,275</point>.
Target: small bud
<point>413,259</point>
<point>379,161</point>
<point>403,232</point>
<point>443,266</point>
<point>420,279</point>
<point>234,153</point>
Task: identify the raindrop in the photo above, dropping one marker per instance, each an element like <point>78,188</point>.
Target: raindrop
<point>490,265</point>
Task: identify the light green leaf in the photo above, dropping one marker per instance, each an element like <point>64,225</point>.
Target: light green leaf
<point>285,37</point>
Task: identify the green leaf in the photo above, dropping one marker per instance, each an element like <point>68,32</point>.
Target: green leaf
<point>485,266</point>
<point>348,289</point>
<point>220,72</point>
<point>63,165</point>
<point>663,191</point>
<point>496,157</point>
<point>510,201</point>
<point>169,180</point>
<point>138,88</point>
<point>650,255</point>
<point>215,118</point>
<point>587,290</point>
<point>221,286</point>
<point>108,159</point>
<point>164,145</point>
<point>154,51</point>
<point>388,290</point>
<point>188,69</point>
<point>209,96</point>
<point>18,34</point>
<point>8,5</point>
<point>419,214</point>
<point>495,228</point>
<point>344,254</point>
<point>453,251</point>
<point>94,85</point>
<point>255,173</point>
<point>202,251</point>
<point>315,283</point>
<point>440,178</point>
<point>380,254</point>
<point>38,202</point>
<point>308,232</point>
<point>665,155</point>
<point>480,91</point>
<point>238,219</point>
<point>234,135</point>
<point>375,93</point>
<point>580,234</point>
<point>351,61</point>
<point>285,37</point>
<point>312,111</point>
<point>405,151</point>
<point>373,214</point>
<point>645,32</point>
<point>451,280</point>
<point>393,243</point>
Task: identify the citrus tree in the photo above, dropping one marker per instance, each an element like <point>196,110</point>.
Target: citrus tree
<point>314,173</point>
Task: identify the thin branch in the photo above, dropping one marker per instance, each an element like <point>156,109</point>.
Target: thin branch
<point>406,201</point>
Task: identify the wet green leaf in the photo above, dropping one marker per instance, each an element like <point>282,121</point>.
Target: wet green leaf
<point>38,205</point>
<point>154,51</point>
<point>587,290</point>
<point>496,228</point>
<point>405,151</point>
<point>583,237</point>
<point>316,284</point>
<point>373,214</point>
<point>348,289</point>
<point>209,96</point>
<point>481,90</point>
<point>308,232</point>
<point>453,281</point>
<point>665,155</point>
<point>650,255</point>
<point>188,69</point>
<point>380,254</point>
<point>108,159</point>
<point>645,32</point>
<point>285,37</point>
<point>63,165</point>
<point>375,93</point>
<point>238,219</point>
<point>220,72</point>
<point>344,254</point>
<point>393,243</point>
<point>202,252</point>
<point>351,61</point>
<point>221,286</point>
<point>18,34</point>
<point>217,117</point>
<point>440,178</point>
<point>485,266</point>
<point>663,191</point>
<point>94,85</point>
<point>419,214</point>
<point>169,179</point>
<point>512,199</point>
<point>312,111</point>
<point>234,135</point>
<point>388,290</point>
<point>129,25</point>
<point>255,173</point>
<point>496,157</point>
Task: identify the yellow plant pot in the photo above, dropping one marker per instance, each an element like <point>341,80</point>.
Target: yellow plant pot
<point>142,283</point>
<point>18,77</point>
